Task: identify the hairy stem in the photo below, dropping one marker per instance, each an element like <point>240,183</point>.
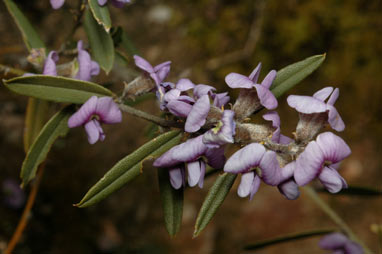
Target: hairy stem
<point>334,216</point>
<point>25,216</point>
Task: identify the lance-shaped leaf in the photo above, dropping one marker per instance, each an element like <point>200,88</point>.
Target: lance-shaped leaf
<point>287,238</point>
<point>129,168</point>
<point>291,75</point>
<point>101,43</point>
<point>54,88</point>
<point>35,117</point>
<point>172,203</point>
<point>30,36</point>
<point>214,200</point>
<point>56,127</point>
<point>101,14</point>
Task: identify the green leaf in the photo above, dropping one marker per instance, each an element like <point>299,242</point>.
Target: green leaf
<point>356,191</point>
<point>128,44</point>
<point>129,168</point>
<point>214,200</point>
<point>55,88</point>
<point>101,14</point>
<point>56,127</point>
<point>172,203</point>
<point>101,43</point>
<point>30,36</point>
<point>287,238</point>
<point>35,117</point>
<point>291,75</point>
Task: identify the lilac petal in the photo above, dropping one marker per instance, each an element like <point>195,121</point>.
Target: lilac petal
<point>255,186</point>
<point>92,129</point>
<point>221,99</point>
<point>186,98</point>
<point>267,99</point>
<point>198,114</point>
<point>332,180</point>
<point>284,140</point>
<point>306,104</point>
<point>84,113</point>
<point>235,80</point>
<point>215,157</point>
<point>353,248</point>
<point>143,64</point>
<point>176,177</point>
<point>223,134</point>
<point>179,108</point>
<point>333,98</point>
<point>309,164</point>
<point>100,130</point>
<point>289,189</point>
<point>268,80</point>
<point>162,70</point>
<point>57,4</point>
<point>323,94</point>
<point>333,147</point>
<point>167,85</point>
<point>94,68</point>
<point>102,2</point>
<point>254,76</point>
<point>184,84</point>
<point>287,171</point>
<point>108,111</point>
<point>245,159</point>
<point>270,169</point>
<point>246,184</point>
<point>50,64</point>
<point>84,63</point>
<point>193,170</point>
<point>202,173</point>
<point>274,117</point>
<point>333,241</point>
<point>335,119</point>
<point>201,90</point>
<point>173,94</point>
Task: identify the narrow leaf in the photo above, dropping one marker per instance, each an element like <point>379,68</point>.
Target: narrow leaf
<point>101,43</point>
<point>356,191</point>
<point>287,238</point>
<point>172,203</point>
<point>291,75</point>
<point>101,14</point>
<point>35,117</point>
<point>56,127</point>
<point>55,88</point>
<point>214,200</point>
<point>30,36</point>
<point>129,167</point>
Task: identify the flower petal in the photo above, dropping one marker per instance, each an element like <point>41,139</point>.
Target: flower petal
<point>353,248</point>
<point>108,111</point>
<point>309,164</point>
<point>268,80</point>
<point>215,157</point>
<point>143,64</point>
<point>274,117</point>
<point>162,70</point>
<point>236,80</point>
<point>221,99</point>
<point>289,189</point>
<point>245,159</point>
<point>85,64</point>
<point>194,172</point>
<point>267,99</point>
<point>332,180</point>
<point>245,185</point>
<point>173,94</point>
<point>102,2</point>
<point>306,104</point>
<point>202,173</point>
<point>254,76</point>
<point>333,241</point>
<point>176,176</point>
<point>92,129</point>
<point>57,4</point>
<point>333,98</point>
<point>198,114</point>
<point>270,169</point>
<point>201,90</point>
<point>333,147</point>
<point>335,119</point>
<point>50,64</point>
<point>323,94</point>
<point>179,108</point>
<point>255,186</point>
<point>84,114</point>
<point>184,84</point>
<point>223,134</point>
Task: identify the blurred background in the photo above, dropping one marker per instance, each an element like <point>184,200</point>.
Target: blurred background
<point>205,40</point>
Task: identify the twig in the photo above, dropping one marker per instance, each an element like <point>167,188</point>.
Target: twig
<point>149,117</point>
<point>334,216</point>
<point>25,216</point>
<point>9,70</point>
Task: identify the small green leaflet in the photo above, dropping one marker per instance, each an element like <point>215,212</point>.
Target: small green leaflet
<point>56,127</point>
<point>55,88</point>
<point>129,168</point>
<point>101,14</point>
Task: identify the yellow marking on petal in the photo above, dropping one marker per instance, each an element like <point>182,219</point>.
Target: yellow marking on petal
<point>222,107</point>
<point>217,128</point>
<point>261,142</point>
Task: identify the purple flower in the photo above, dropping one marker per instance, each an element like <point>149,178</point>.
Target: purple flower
<point>50,67</point>
<point>315,112</point>
<point>157,73</point>
<point>198,114</point>
<point>277,137</point>
<point>14,196</point>
<point>340,244</point>
<point>254,162</point>
<point>178,104</point>
<point>87,67</point>
<point>223,133</point>
<point>93,113</point>
<point>57,4</point>
<point>248,84</point>
<point>321,159</point>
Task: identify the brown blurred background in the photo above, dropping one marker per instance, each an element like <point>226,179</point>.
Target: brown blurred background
<point>205,40</point>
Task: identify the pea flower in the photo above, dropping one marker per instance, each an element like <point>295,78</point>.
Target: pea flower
<point>339,244</point>
<point>255,163</point>
<point>93,113</point>
<point>50,67</point>
<point>321,159</point>
<point>223,133</point>
<point>252,95</point>
<point>86,67</point>
<point>315,112</point>
<point>157,73</point>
